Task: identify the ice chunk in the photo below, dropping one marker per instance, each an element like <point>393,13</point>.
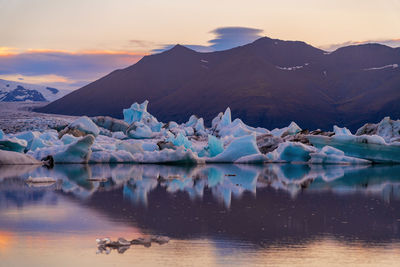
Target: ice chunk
<point>191,122</point>
<point>120,156</point>
<point>135,112</point>
<point>138,130</point>
<point>215,146</point>
<point>80,127</point>
<point>111,124</point>
<point>15,158</point>
<point>291,152</point>
<point>292,129</point>
<point>138,113</point>
<point>331,155</point>
<point>1,134</point>
<point>267,143</point>
<point>178,156</point>
<point>252,159</point>
<point>181,140</point>
<point>118,135</point>
<point>222,120</point>
<point>369,147</point>
<point>226,119</point>
<point>388,129</point>
<point>13,144</point>
<point>28,136</point>
<point>189,131</point>
<point>68,139</point>
<point>239,147</point>
<point>77,152</point>
<point>341,131</point>
<point>132,148</point>
<point>236,129</point>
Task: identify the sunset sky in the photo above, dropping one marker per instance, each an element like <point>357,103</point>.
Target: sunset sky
<point>70,43</point>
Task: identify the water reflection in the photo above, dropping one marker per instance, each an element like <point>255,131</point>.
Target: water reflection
<point>260,206</point>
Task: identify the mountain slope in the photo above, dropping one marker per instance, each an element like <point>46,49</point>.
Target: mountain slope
<point>11,91</point>
<point>266,83</point>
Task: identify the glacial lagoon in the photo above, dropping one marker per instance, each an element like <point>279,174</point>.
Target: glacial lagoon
<point>225,214</point>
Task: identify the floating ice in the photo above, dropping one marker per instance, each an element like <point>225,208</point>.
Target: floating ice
<point>15,158</point>
<point>80,127</point>
<point>239,147</point>
<point>331,155</point>
<point>291,152</point>
<point>369,147</point>
<point>138,130</point>
<point>138,113</point>
<point>181,140</point>
<point>13,144</point>
<point>215,146</point>
<point>388,129</point>
<point>341,131</point>
<point>292,129</point>
<point>77,152</point>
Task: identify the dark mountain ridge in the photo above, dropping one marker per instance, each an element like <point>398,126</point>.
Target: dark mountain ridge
<point>267,83</point>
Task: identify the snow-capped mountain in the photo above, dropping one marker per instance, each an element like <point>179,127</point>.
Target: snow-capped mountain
<point>11,91</point>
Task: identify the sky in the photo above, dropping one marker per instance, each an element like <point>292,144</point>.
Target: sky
<point>67,44</point>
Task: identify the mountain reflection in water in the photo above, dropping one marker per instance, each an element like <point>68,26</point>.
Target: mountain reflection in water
<point>264,206</point>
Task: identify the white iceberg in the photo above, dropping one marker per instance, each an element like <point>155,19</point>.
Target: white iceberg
<point>388,129</point>
<point>77,152</point>
<point>239,147</point>
<point>15,158</point>
<point>291,152</point>
<point>369,147</point>
<point>138,113</point>
<point>139,130</point>
<point>13,144</point>
<point>341,131</point>
<point>81,126</point>
<point>331,155</point>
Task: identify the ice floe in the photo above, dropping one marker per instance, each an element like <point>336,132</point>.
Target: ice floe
<point>141,138</point>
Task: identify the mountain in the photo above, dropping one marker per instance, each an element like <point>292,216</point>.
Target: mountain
<point>11,91</point>
<point>266,83</point>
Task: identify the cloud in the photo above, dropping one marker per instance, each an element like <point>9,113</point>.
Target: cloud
<point>229,37</point>
<point>75,68</point>
<point>226,38</point>
<point>388,42</point>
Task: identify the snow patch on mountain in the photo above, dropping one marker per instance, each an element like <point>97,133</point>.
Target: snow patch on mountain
<point>11,91</point>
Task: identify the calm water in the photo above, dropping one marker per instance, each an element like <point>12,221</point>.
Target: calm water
<point>214,215</point>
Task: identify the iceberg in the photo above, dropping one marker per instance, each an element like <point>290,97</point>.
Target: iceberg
<point>181,140</point>
<point>239,147</point>
<point>15,158</point>
<point>131,148</point>
<point>369,147</point>
<point>13,144</point>
<point>141,138</point>
<point>81,127</point>
<point>77,152</point>
<point>215,146</point>
<point>111,124</point>
<point>341,131</point>
<point>138,113</point>
<point>388,129</point>
<point>331,155</point>
<point>291,152</point>
<point>292,129</point>
<point>138,130</point>
<point>170,156</point>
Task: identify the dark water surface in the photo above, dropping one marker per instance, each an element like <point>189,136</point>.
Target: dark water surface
<point>235,215</point>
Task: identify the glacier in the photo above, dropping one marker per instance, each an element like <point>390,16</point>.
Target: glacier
<point>140,138</point>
